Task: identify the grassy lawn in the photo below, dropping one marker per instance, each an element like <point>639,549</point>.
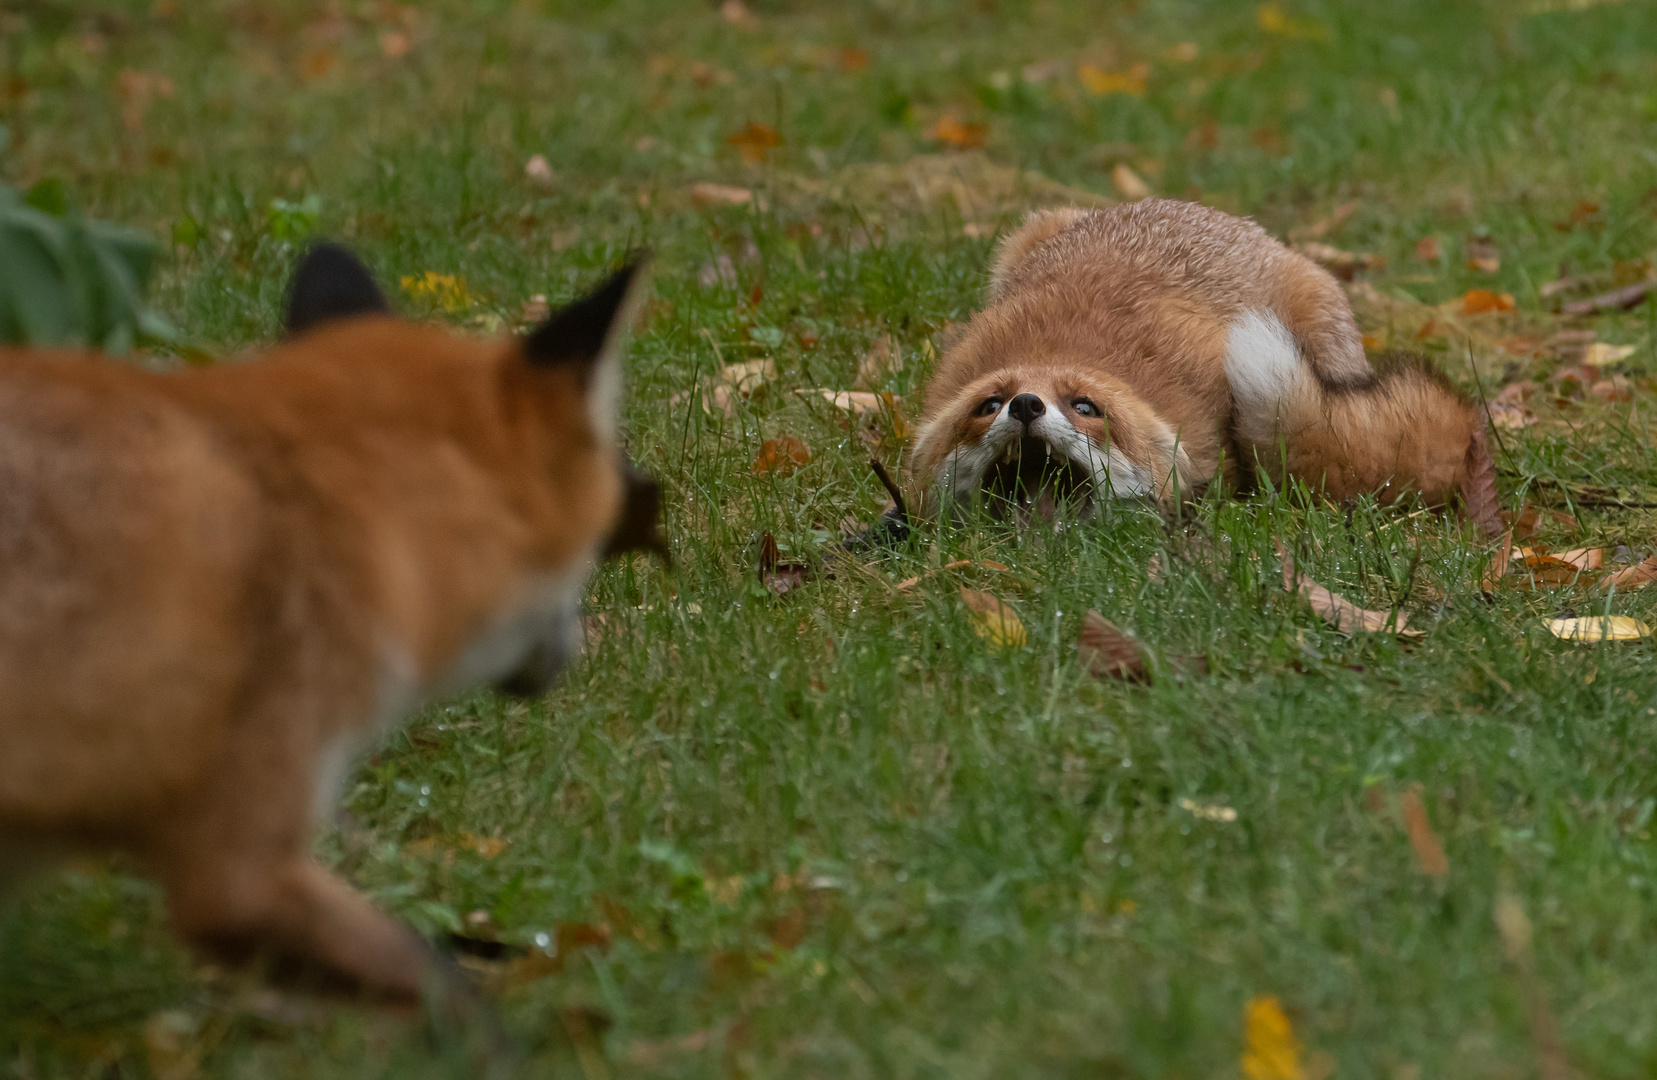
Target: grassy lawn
<point>840,833</point>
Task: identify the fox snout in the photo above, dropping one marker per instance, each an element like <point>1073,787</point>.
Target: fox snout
<point>547,658</point>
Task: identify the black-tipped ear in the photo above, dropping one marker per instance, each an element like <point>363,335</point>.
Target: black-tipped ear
<point>578,332</point>
<point>330,283</point>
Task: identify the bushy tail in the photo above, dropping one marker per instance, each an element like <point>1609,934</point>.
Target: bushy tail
<point>1398,432</point>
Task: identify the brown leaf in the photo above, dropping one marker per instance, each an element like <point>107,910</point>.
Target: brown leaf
<point>781,456</point>
<point>704,195</point>
<point>1107,652</point>
<point>1429,249</point>
<point>1429,853</point>
<point>1482,256</point>
<point>395,44</point>
<point>878,364</point>
<point>755,142</point>
<point>778,576</point>
<point>1479,499</point>
<point>1343,264</point>
<point>787,931</point>
<point>538,171</point>
<point>1498,565</point>
<point>1514,927</point>
<point>1483,301</point>
<point>1338,611</point>
<point>957,135</point>
<point>1129,184</point>
<point>1322,227</point>
<point>994,619</point>
<point>1582,558</point>
<point>1641,574</point>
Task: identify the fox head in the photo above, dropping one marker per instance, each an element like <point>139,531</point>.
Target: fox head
<point>540,421</point>
<point>1026,436</point>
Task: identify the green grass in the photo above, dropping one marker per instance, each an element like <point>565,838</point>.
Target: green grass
<point>838,833</point>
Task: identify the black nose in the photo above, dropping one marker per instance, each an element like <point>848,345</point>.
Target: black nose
<point>1026,407</point>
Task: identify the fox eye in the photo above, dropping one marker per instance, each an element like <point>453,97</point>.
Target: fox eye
<point>1084,407</point>
<point>989,407</point>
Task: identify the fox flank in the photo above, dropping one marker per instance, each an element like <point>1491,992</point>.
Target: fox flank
<point>1149,349</point>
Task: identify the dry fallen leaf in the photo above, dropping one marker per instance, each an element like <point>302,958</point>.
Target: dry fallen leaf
<point>994,620</point>
<point>1429,853</point>
<point>1343,264</point>
<point>1482,301</point>
<point>1599,628</point>
<point>1429,249</point>
<point>1107,652</point>
<point>956,134</point>
<point>1270,1049</point>
<point>781,456</point>
<point>737,14</point>
<point>755,142</point>
<point>1637,576</point>
<point>1514,927</point>
<point>1129,184</point>
<point>1209,811</point>
<point>776,575</point>
<point>538,171</point>
<point>1498,565</point>
<point>446,291</point>
<point>1482,256</point>
<point>1507,408</point>
<point>1323,227</point>
<point>1099,81</point>
<point>395,44</point>
<point>1340,612</point>
<point>704,195</point>
<point>1480,500</point>
<point>1582,558</point>
<point>878,364</point>
<point>1601,353</point>
<point>856,402</point>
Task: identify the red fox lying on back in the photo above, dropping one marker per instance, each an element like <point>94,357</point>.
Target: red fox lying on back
<point>216,585</point>
<point>1129,351</point>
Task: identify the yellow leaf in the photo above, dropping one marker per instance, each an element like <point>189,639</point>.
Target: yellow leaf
<point>994,620</point>
<point>1601,353</point>
<point>951,131</point>
<point>755,141</point>
<point>1099,81</point>
<point>1129,184</point>
<point>1270,1051</point>
<point>1274,20</point>
<point>1599,628</point>
<point>447,291</point>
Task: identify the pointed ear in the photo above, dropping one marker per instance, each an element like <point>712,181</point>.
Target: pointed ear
<point>330,283</point>
<point>586,336</point>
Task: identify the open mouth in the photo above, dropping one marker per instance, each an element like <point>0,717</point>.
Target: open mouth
<point>1030,479</point>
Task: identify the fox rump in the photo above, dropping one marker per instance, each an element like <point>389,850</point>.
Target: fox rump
<point>216,585</point>
<point>1152,348</point>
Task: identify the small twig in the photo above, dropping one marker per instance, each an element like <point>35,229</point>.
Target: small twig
<point>891,489</point>
<point>1615,300</point>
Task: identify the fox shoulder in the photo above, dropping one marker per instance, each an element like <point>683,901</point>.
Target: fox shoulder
<point>1015,250</point>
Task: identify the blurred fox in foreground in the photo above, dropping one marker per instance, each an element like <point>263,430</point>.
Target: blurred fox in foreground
<point>216,585</point>
<point>1132,351</point>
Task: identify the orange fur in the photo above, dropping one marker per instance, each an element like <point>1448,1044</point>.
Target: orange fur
<point>217,583</point>
<point>1201,339</point>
